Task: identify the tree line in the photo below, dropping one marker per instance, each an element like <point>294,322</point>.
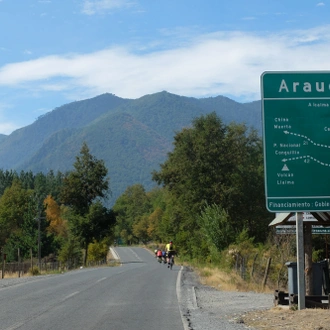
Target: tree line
<point>208,196</point>
<point>63,212</point>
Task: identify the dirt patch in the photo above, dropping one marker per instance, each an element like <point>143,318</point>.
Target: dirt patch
<point>284,318</point>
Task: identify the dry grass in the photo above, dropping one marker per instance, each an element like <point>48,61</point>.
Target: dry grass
<point>15,275</point>
<point>227,281</point>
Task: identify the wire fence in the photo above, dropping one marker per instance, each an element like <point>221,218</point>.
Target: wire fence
<point>20,269</point>
<point>260,269</point>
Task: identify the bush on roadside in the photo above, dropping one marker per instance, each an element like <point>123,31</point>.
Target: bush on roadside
<point>34,271</point>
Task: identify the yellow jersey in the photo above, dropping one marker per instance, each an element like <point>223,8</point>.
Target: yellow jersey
<point>169,247</point>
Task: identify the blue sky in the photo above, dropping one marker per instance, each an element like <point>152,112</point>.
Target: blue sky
<point>53,52</point>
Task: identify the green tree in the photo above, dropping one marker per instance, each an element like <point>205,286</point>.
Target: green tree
<point>216,226</point>
<point>93,226</point>
<point>214,164</point>
<point>130,208</point>
<point>17,218</point>
<point>70,252</point>
<point>140,229</point>
<point>83,190</point>
<point>6,179</point>
<point>98,251</point>
<point>86,183</point>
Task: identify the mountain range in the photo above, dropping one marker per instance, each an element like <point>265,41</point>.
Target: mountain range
<point>132,136</point>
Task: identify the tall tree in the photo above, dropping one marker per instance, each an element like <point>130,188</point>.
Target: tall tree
<point>86,183</point>
<point>83,189</point>
<point>214,164</point>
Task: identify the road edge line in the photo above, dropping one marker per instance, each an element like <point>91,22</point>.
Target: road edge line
<point>115,254</point>
<point>178,295</point>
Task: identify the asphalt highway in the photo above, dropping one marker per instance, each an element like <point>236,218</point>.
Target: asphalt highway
<point>140,294</point>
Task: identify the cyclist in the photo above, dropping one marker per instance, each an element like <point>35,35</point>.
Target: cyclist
<point>164,256</point>
<point>169,249</point>
<point>159,255</point>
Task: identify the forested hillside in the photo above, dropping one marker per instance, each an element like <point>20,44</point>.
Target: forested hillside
<point>132,136</point>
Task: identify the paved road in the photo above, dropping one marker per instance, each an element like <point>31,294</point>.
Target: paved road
<point>139,295</point>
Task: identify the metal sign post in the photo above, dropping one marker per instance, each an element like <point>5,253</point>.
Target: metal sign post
<point>300,260</point>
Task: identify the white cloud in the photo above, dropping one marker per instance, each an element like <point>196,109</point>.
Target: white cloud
<point>5,126</point>
<point>91,7</point>
<point>224,63</point>
<point>320,4</point>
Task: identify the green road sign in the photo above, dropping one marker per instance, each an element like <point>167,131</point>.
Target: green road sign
<point>296,137</point>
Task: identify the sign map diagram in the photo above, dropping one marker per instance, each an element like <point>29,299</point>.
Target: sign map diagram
<point>296,140</point>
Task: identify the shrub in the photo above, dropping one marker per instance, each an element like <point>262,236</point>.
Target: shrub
<point>34,271</point>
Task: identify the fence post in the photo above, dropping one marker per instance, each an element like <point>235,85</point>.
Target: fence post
<point>31,259</point>
<point>266,272</point>
<point>253,265</point>
<point>19,262</point>
<point>243,268</point>
<point>3,264</point>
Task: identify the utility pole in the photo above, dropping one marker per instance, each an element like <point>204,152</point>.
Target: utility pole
<point>39,241</point>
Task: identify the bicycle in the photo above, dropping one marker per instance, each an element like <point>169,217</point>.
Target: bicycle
<point>170,261</point>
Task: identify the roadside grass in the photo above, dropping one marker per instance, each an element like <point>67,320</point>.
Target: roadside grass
<point>227,281</point>
<point>36,272</point>
<point>217,278</point>
<point>15,275</point>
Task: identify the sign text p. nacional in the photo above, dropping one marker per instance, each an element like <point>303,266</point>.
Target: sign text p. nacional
<point>296,138</point>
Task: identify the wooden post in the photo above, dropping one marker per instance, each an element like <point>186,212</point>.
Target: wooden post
<point>266,272</point>
<point>19,263</point>
<point>3,265</point>
<point>253,265</point>
<point>31,259</point>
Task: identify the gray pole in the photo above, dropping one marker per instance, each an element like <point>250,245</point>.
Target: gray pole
<point>300,260</point>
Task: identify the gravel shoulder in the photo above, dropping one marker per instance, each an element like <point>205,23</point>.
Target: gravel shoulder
<point>205,307</point>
